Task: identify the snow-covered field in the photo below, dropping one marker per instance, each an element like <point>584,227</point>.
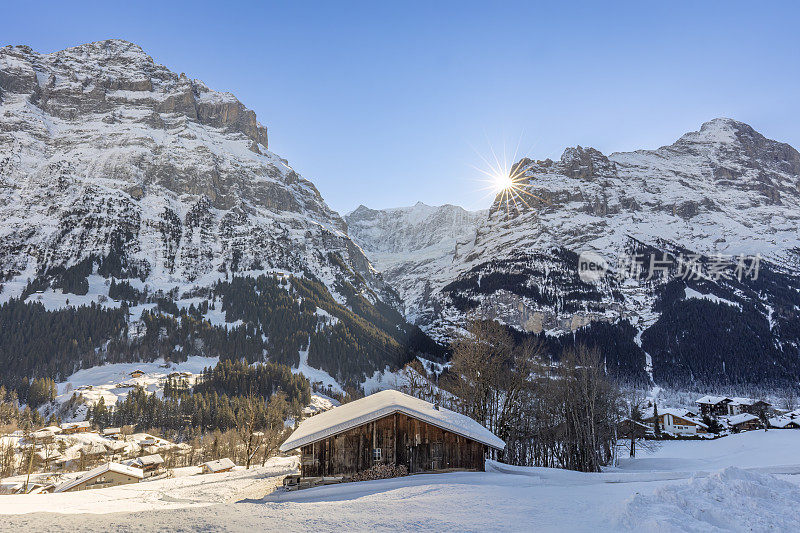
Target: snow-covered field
<point>113,381</point>
<point>744,482</point>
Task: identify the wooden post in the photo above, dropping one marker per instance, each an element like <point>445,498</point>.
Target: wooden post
<point>374,441</point>
<point>394,439</point>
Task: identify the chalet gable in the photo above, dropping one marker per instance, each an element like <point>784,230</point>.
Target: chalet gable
<point>382,404</point>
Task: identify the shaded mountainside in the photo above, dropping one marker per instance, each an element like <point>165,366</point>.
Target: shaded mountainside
<point>719,192</point>
<point>140,193</point>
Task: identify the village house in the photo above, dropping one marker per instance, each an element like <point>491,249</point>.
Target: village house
<point>93,450</point>
<point>69,428</point>
<point>747,405</point>
<point>112,433</point>
<point>116,448</point>
<point>784,422</point>
<point>744,422</point>
<point>716,406</point>
<point>220,465</point>
<point>713,405</point>
<point>390,428</point>
<point>151,465</point>
<point>678,422</point>
<point>48,456</point>
<point>107,475</point>
<point>631,428</point>
<point>42,435</point>
<point>33,488</point>
<point>136,374</point>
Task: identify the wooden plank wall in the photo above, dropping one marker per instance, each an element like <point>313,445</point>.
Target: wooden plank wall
<point>402,440</point>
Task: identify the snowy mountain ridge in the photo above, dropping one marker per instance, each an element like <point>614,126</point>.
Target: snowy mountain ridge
<point>725,189</point>
<point>412,244</point>
<point>130,187</point>
<point>107,151</point>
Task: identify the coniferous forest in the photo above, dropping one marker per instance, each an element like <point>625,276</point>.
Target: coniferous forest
<point>266,318</point>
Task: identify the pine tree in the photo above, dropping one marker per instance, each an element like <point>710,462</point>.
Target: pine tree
<point>656,423</point>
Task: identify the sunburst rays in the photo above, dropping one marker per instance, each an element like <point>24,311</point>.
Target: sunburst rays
<point>507,182</point>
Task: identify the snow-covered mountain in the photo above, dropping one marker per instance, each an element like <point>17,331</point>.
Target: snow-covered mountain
<point>410,245</point>
<point>104,150</point>
<point>725,189</point>
<point>113,167</point>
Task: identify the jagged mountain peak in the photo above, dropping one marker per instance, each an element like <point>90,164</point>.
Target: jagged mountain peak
<point>723,189</point>
<point>91,79</point>
<point>108,48</point>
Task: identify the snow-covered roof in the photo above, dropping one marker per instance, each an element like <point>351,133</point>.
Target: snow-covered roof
<point>148,460</point>
<point>682,413</point>
<point>712,400</point>
<point>42,434</point>
<point>782,421</point>
<point>746,401</point>
<point>382,404</point>
<point>112,431</point>
<point>53,429</point>
<point>69,425</point>
<point>94,448</point>
<point>219,464</point>
<point>741,418</point>
<point>102,469</point>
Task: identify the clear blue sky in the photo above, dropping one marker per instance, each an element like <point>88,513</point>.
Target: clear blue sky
<point>387,103</point>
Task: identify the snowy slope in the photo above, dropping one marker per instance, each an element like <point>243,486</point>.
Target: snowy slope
<point>757,495</point>
<point>115,169</point>
<point>104,152</point>
<point>725,189</point>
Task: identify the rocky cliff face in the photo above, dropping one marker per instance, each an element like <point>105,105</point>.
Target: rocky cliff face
<point>122,182</point>
<point>721,191</point>
<point>102,150</point>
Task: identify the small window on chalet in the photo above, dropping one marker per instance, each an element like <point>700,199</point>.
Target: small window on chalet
<point>376,454</point>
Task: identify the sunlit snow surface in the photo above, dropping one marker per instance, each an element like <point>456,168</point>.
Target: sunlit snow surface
<point>745,482</point>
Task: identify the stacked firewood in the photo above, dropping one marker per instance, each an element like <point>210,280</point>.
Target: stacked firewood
<point>381,471</point>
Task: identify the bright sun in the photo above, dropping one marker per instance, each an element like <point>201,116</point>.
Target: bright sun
<point>509,184</point>
<point>502,182</point>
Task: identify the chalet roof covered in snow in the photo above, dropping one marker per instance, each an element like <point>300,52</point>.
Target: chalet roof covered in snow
<point>746,401</point>
<point>71,425</point>
<point>219,465</point>
<point>783,421</point>
<point>150,460</point>
<point>741,419</point>
<point>102,469</point>
<point>382,404</point>
<point>712,400</point>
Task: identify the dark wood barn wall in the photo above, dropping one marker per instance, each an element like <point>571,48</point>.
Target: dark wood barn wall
<point>402,440</point>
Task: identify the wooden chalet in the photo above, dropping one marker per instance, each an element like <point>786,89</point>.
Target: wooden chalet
<point>220,465</point>
<point>748,405</point>
<point>744,422</point>
<point>112,433</point>
<point>390,428</point>
<point>69,428</point>
<point>151,465</point>
<point>714,405</point>
<point>787,421</point>
<point>678,422</point>
<point>107,475</point>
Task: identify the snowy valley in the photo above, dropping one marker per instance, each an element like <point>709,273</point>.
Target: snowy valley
<point>177,304</point>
